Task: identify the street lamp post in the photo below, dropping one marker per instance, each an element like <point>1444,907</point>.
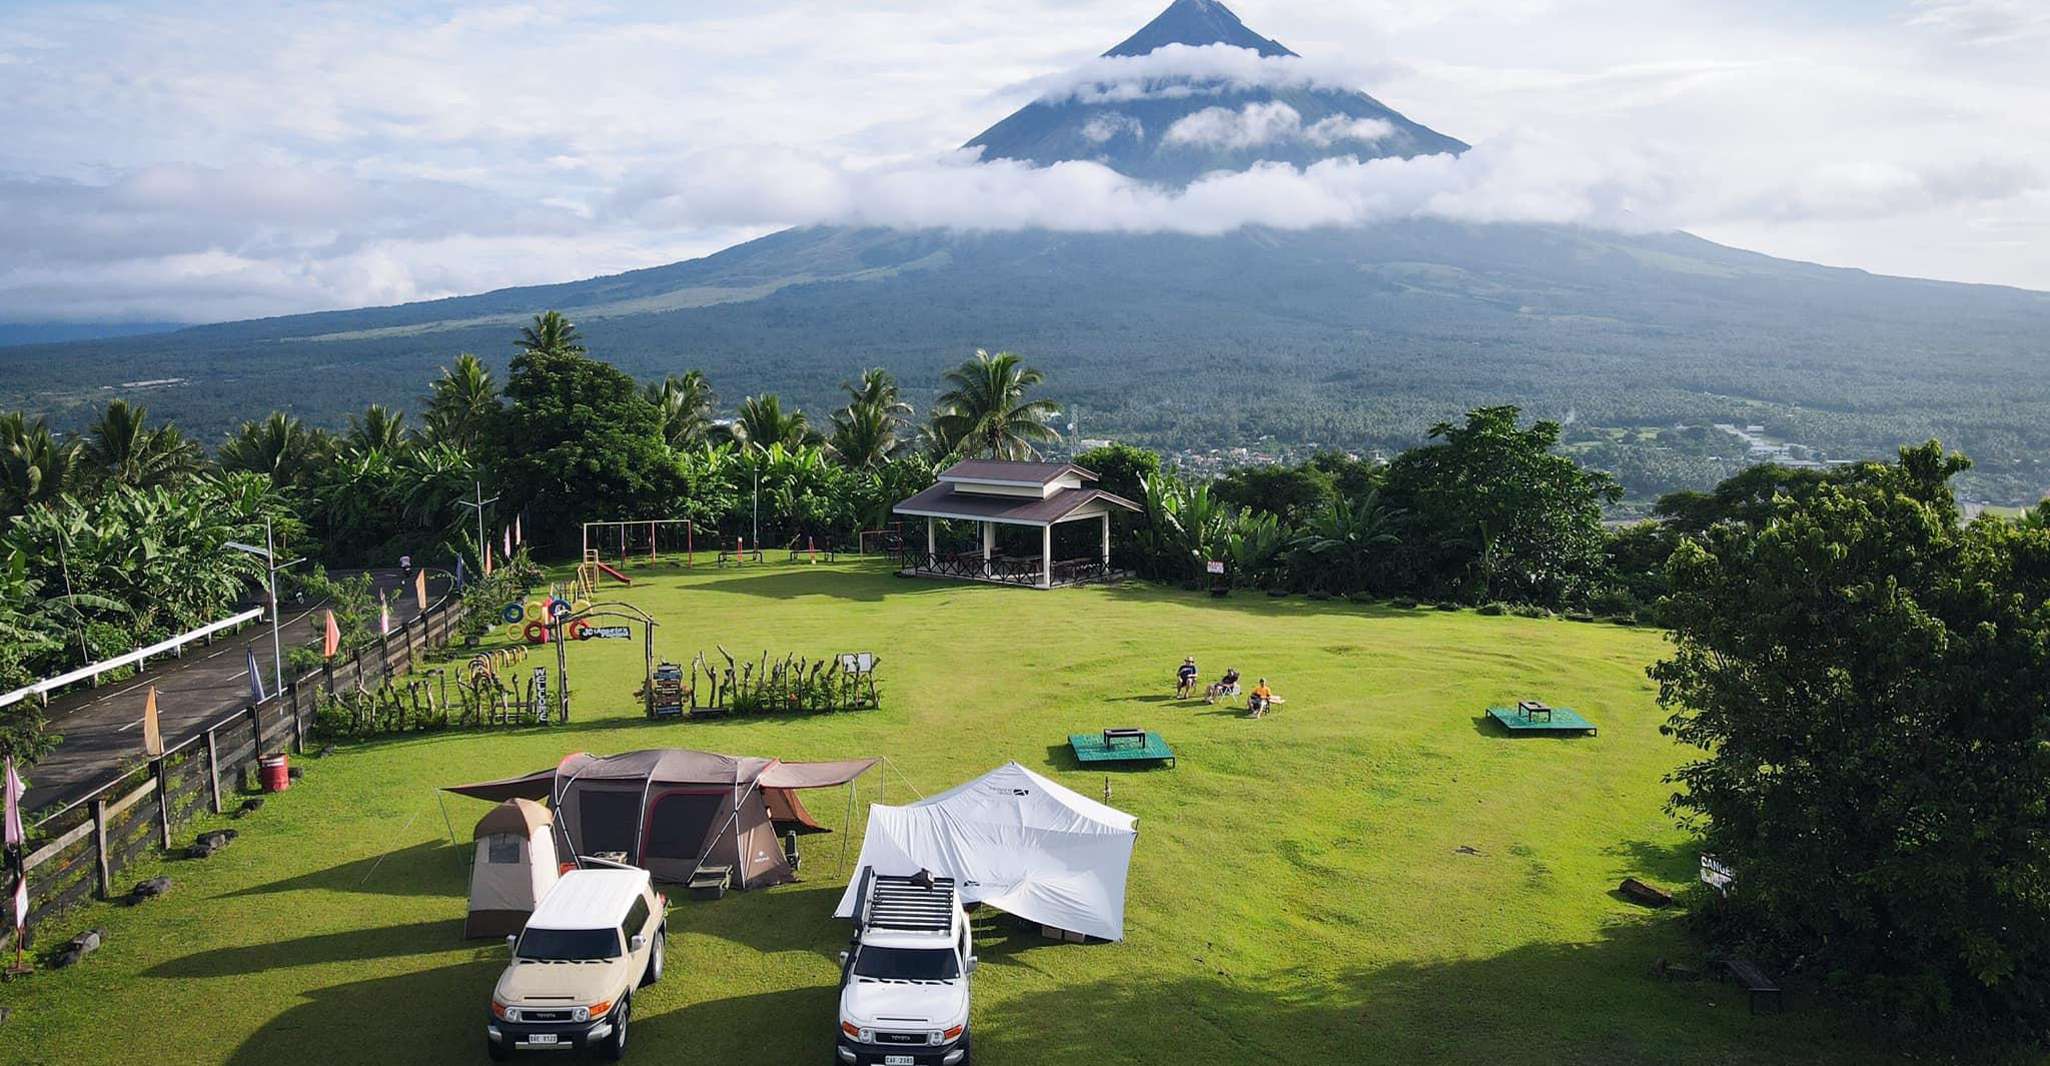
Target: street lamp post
<point>268,553</point>
<point>479,508</point>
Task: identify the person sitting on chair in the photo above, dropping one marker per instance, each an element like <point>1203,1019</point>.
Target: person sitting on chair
<point>1185,679</point>
<point>1224,687</point>
<point>1261,698</point>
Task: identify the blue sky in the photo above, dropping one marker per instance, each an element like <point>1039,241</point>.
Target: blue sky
<point>201,161</point>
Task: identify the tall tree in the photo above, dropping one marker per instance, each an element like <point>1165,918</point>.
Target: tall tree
<point>280,448</point>
<point>868,432</point>
<point>582,443</point>
<point>550,334</point>
<point>761,422</point>
<point>377,429</point>
<point>34,466</point>
<point>985,412</point>
<point>1867,682</point>
<point>122,448</point>
<point>685,402</point>
<point>463,408</point>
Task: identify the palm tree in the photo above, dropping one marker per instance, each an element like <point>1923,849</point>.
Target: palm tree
<point>761,422</point>
<point>1343,538</point>
<point>551,334</point>
<point>280,447</point>
<point>463,406</point>
<point>377,429</point>
<point>984,409</point>
<point>125,451</point>
<point>685,403</point>
<point>34,466</point>
<point>866,433</point>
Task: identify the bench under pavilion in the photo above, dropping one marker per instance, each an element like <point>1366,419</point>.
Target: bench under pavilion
<point>1003,492</point>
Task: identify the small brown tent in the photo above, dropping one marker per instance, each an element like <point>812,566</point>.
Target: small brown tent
<point>515,867</point>
<point>670,810</point>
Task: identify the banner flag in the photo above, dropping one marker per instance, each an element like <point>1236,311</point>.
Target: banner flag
<point>487,558</point>
<point>460,579</point>
<point>331,643</point>
<point>15,841</point>
<point>508,543</point>
<point>420,590</point>
<point>152,731</point>
<point>256,694</point>
<point>518,537</point>
<point>383,616</point>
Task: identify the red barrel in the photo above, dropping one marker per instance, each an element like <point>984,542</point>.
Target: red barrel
<point>277,776</point>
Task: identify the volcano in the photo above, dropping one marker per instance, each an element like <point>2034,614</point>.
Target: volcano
<point>1357,337</point>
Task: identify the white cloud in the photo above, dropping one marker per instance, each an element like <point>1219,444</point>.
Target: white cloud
<point>1110,125</point>
<point>1181,70</point>
<point>165,161</point>
<point>1258,124</point>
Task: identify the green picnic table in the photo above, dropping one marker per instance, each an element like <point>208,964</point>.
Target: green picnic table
<point>1120,745</point>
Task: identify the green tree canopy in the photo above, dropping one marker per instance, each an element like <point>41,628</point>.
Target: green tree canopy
<point>582,443</point>
<point>1869,684</point>
<point>462,407</point>
<point>984,411</point>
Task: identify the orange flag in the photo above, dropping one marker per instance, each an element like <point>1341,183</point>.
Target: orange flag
<point>420,589</point>
<point>152,732</point>
<point>487,558</point>
<point>331,643</point>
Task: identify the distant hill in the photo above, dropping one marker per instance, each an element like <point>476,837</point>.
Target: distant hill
<point>1359,337</point>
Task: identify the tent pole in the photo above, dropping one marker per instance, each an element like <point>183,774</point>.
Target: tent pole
<point>461,867</point>
<point>846,832</point>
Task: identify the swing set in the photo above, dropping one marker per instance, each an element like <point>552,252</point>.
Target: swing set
<point>635,539</point>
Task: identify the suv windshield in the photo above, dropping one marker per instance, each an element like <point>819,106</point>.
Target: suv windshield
<point>569,945</point>
<point>906,964</point>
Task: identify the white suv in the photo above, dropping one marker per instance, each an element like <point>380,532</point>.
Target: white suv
<point>594,938</point>
<point>904,979</point>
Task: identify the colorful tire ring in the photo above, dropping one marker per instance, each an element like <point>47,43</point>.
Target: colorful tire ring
<point>536,633</point>
<point>578,630</point>
<point>513,613</point>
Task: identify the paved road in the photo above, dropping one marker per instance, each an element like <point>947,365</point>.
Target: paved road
<point>102,728</point>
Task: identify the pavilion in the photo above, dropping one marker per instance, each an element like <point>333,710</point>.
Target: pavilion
<point>999,492</point>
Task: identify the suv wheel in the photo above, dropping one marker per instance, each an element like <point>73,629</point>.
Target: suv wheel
<point>614,1047</point>
<point>657,953</point>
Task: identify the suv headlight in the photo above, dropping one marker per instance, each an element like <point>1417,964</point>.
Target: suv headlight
<point>580,1014</point>
<point>512,1014</point>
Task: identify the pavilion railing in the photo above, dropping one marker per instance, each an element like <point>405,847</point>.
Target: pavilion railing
<point>970,566</point>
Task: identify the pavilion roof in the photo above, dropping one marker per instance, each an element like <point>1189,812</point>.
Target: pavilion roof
<point>941,501</point>
<point>1013,471</point>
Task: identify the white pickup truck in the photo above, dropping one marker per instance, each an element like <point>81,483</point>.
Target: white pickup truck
<point>904,979</point>
<point>594,938</point>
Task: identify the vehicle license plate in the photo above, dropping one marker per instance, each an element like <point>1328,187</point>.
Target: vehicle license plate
<point>541,1038</point>
<point>897,1060</point>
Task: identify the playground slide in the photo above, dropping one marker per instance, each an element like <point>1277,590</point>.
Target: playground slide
<point>616,575</point>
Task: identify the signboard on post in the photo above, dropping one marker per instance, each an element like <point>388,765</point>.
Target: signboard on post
<point>605,633</point>
<point>541,695</point>
<point>1716,875</point>
<point>1216,566</point>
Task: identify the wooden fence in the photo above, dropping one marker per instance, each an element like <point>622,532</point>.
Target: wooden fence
<point>77,851</point>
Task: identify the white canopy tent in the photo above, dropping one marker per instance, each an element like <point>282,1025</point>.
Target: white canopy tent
<point>1016,841</point>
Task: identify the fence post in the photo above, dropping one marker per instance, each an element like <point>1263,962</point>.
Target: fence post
<point>327,670</point>
<point>101,867</point>
<point>298,728</point>
<point>256,729</point>
<point>213,770</point>
<point>384,655</point>
<point>156,769</point>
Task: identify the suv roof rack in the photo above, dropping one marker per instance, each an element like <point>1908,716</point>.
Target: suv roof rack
<point>909,904</point>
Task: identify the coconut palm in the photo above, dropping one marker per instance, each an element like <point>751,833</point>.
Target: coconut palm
<point>280,447</point>
<point>985,410</point>
<point>34,466</point>
<point>685,402</point>
<point>761,422</point>
<point>551,334</point>
<point>122,448</point>
<point>868,432</point>
<point>377,429</point>
<point>463,407</point>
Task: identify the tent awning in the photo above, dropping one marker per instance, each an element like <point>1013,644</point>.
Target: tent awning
<point>815,774</point>
<point>534,786</point>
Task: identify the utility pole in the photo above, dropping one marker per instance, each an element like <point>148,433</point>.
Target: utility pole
<point>757,539</point>
<point>479,508</point>
<point>269,554</point>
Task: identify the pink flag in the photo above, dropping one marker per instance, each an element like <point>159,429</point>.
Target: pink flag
<point>508,543</point>
<point>383,616</point>
<point>518,537</point>
<point>331,642</point>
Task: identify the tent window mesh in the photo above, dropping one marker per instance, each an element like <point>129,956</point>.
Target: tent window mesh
<point>608,821</point>
<point>503,848</point>
<point>679,824</point>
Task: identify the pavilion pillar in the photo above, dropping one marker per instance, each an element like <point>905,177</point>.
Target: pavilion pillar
<point>1106,541</point>
<point>931,539</point>
<point>989,543</point>
<point>1046,556</point>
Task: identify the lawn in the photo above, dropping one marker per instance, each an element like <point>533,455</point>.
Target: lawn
<point>1373,874</point>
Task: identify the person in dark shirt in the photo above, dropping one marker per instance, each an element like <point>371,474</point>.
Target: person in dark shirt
<point>1224,688</point>
<point>1185,679</point>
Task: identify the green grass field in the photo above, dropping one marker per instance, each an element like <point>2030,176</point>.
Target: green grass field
<point>1372,874</point>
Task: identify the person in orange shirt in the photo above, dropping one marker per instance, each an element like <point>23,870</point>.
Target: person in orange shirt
<point>1260,698</point>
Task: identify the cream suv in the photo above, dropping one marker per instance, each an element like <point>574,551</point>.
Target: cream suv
<point>595,937</point>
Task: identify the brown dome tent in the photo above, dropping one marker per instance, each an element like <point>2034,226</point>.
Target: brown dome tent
<point>670,810</point>
<point>515,867</point>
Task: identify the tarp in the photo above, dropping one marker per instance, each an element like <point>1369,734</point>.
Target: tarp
<point>1016,841</point>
